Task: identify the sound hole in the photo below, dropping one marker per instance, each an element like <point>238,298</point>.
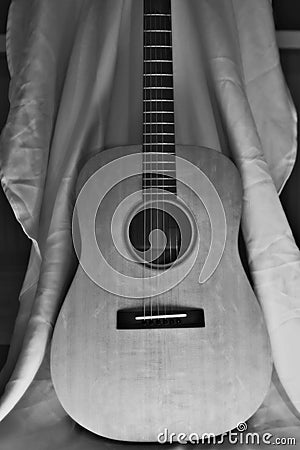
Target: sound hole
<point>160,236</point>
<point>156,234</point>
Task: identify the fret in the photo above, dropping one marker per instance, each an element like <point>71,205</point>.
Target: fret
<point>162,133</point>
<point>157,46</point>
<point>159,134</point>
<point>153,162</point>
<point>159,165</point>
<point>166,179</point>
<point>160,15</point>
<point>157,31</point>
<point>159,112</point>
<point>156,153</point>
<point>163,61</point>
<point>160,168</point>
<point>155,70</point>
<point>153,100</point>
<point>157,176</point>
<point>157,60</point>
<point>158,184</point>
<point>160,127</point>
<point>153,128</point>
<point>158,87</point>
<point>167,187</point>
<point>164,170</point>
<point>170,188</point>
<point>163,160</point>
<point>159,149</point>
<point>157,143</point>
<point>170,159</point>
<point>148,192</point>
<point>157,75</point>
<point>148,195</point>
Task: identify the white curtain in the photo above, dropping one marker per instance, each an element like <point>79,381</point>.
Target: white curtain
<point>75,89</point>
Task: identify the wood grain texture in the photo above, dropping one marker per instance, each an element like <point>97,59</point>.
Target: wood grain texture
<point>131,384</point>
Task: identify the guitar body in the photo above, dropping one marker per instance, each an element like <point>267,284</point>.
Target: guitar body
<point>129,383</point>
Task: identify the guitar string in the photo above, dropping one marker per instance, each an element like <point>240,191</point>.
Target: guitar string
<point>165,225</point>
<point>154,158</point>
<point>172,109</point>
<point>144,148</point>
<point>156,80</point>
<point>157,83</point>
<point>153,129</point>
<point>172,178</point>
<point>144,177</point>
<point>148,184</point>
<point>162,159</point>
<point>151,148</point>
<point>156,181</point>
<point>157,19</point>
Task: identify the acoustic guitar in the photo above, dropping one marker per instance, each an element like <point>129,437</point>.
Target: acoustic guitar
<point>160,328</point>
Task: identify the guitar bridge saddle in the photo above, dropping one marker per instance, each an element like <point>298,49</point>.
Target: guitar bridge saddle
<point>136,319</point>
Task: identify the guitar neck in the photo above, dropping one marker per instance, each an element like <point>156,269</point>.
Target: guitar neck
<point>158,98</point>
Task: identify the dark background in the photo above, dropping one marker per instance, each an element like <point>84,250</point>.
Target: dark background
<point>15,246</point>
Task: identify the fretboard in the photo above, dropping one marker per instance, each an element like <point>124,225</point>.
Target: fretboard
<point>158,98</point>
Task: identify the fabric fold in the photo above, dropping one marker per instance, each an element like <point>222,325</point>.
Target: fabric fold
<point>48,205</point>
<point>268,238</point>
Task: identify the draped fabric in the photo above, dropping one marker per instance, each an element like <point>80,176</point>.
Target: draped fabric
<point>76,69</point>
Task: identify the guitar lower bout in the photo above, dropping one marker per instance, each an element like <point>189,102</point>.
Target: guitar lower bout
<point>160,328</point>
